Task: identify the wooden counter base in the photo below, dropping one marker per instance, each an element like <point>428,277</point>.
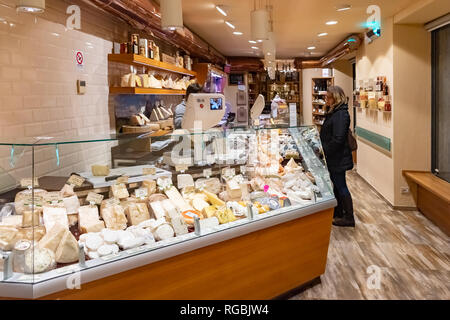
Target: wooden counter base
<point>259,265</point>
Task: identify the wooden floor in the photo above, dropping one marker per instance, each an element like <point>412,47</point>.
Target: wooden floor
<point>412,253</point>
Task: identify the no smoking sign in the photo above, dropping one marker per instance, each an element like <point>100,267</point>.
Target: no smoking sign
<point>79,57</point>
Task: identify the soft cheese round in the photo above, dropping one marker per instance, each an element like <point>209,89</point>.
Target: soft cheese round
<point>94,241</point>
<point>104,250</point>
<point>110,236</point>
<point>39,260</point>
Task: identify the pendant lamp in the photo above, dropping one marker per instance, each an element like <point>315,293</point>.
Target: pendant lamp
<point>260,24</point>
<point>32,6</point>
<point>171,14</point>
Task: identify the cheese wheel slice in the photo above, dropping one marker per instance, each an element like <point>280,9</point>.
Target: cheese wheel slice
<point>189,215</point>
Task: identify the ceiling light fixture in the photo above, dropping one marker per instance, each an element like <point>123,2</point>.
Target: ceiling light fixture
<point>171,14</point>
<point>344,7</point>
<point>256,48</point>
<point>323,34</point>
<point>260,24</point>
<point>31,6</point>
<point>311,48</point>
<point>238,33</point>
<point>330,23</point>
<point>252,41</point>
<point>230,25</point>
<point>220,9</point>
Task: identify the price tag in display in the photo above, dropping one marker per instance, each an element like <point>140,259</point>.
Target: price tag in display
<point>53,197</point>
<point>229,172</point>
<point>243,169</point>
<point>181,168</point>
<point>207,173</point>
<point>25,183</point>
<point>95,198</point>
<point>123,179</point>
<point>112,202</point>
<point>141,193</point>
<point>149,171</point>
<point>75,180</point>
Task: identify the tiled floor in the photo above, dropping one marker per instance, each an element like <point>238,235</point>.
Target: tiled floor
<point>411,254</point>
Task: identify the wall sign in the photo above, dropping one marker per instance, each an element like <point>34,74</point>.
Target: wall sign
<point>79,58</point>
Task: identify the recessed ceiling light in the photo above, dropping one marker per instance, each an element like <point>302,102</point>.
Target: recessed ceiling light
<point>230,25</point>
<point>269,54</point>
<point>323,34</point>
<point>238,33</point>
<point>311,48</point>
<point>256,48</point>
<point>219,8</point>
<point>172,28</point>
<point>252,41</point>
<point>330,23</point>
<point>260,41</point>
<point>344,7</point>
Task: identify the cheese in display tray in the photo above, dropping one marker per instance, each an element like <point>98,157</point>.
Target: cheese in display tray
<point>131,172</point>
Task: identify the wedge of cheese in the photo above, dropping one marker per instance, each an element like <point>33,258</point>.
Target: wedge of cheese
<point>137,213</point>
<point>200,204</point>
<point>179,225</point>
<point>53,237</point>
<point>53,215</point>
<point>67,251</point>
<point>209,212</point>
<point>170,210</point>
<point>114,217</point>
<point>119,191</point>
<point>100,170</point>
<point>32,234</point>
<point>213,199</point>
<point>212,185</point>
<point>225,215</point>
<point>72,204</point>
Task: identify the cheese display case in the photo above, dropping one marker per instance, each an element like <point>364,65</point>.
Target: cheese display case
<point>225,203</point>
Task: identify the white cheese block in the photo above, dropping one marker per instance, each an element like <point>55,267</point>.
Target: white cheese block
<point>150,185</point>
<point>89,220</point>
<point>124,236</point>
<point>67,251</point>
<point>94,241</point>
<point>157,210</point>
<point>170,209</point>
<point>137,213</point>
<point>93,255</point>
<point>72,204</point>
<point>53,237</point>
<point>67,191</point>
<point>119,191</point>
<point>212,185</point>
<point>185,180</point>
<point>179,225</point>
<point>131,243</point>
<point>164,232</point>
<point>209,223</point>
<point>114,217</point>
<point>199,204</point>
<point>143,233</point>
<point>12,221</point>
<point>39,260</point>
<point>146,223</point>
<point>53,215</point>
<point>174,195</point>
<point>115,248</point>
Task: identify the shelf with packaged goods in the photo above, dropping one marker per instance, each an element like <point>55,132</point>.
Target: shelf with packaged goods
<point>152,91</point>
<point>319,114</point>
<point>134,59</point>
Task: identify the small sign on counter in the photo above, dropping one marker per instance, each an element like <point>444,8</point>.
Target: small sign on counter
<point>94,197</point>
<point>25,183</point>
<point>76,180</point>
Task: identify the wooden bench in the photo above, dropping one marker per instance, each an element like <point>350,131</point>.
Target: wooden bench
<point>432,196</point>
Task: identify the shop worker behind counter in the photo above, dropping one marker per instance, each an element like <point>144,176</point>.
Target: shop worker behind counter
<point>334,136</point>
<point>181,108</point>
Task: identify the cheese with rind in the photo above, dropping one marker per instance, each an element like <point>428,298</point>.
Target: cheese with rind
<point>137,213</point>
<point>53,215</point>
<point>119,191</point>
<point>213,198</point>
<point>72,204</point>
<point>100,170</point>
<point>114,217</point>
<point>38,260</point>
<point>53,237</point>
<point>67,251</point>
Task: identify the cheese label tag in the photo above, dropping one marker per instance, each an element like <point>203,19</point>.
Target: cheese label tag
<point>53,197</point>
<point>207,173</point>
<point>149,171</point>
<point>141,193</point>
<point>25,183</point>
<point>76,180</point>
<point>243,169</point>
<point>228,172</point>
<point>95,198</point>
<point>123,179</point>
<point>181,168</point>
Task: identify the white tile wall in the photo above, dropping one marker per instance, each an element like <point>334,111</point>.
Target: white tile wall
<point>38,94</point>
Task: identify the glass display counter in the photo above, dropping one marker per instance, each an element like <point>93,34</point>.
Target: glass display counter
<point>87,208</point>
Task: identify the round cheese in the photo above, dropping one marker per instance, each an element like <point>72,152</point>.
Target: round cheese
<point>110,236</point>
<point>93,255</point>
<point>104,250</point>
<point>39,260</point>
<point>93,242</point>
<point>164,232</point>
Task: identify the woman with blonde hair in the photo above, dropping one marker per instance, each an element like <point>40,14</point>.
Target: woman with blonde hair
<point>334,136</point>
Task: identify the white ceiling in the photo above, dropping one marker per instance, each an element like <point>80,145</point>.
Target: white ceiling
<point>296,23</point>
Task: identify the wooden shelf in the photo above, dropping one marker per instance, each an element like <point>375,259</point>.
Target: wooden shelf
<point>152,91</point>
<point>319,114</point>
<point>134,59</point>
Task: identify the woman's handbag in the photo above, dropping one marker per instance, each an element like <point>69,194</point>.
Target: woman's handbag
<point>352,141</point>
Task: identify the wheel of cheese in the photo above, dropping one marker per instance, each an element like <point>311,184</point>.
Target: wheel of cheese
<point>115,248</point>
<point>123,237</point>
<point>164,232</point>
<point>39,260</point>
<point>189,216</point>
<point>104,250</point>
<point>93,255</point>
<point>93,242</point>
<point>146,223</point>
<point>109,236</point>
